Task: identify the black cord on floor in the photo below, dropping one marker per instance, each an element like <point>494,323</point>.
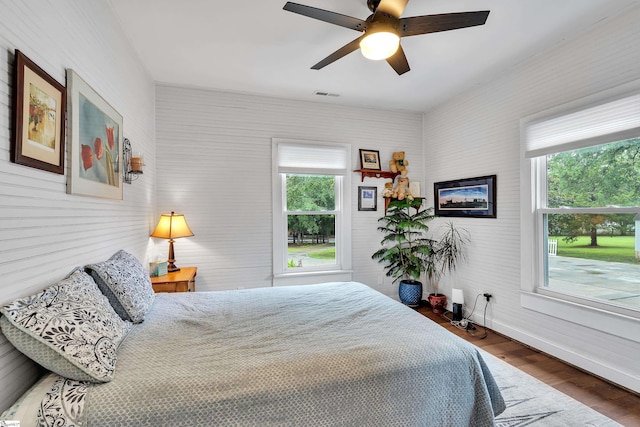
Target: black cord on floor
<point>484,323</point>
<point>467,325</point>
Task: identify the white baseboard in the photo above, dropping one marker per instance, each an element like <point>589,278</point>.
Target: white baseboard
<point>607,372</point>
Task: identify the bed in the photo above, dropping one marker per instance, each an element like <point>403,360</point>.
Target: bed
<point>331,354</point>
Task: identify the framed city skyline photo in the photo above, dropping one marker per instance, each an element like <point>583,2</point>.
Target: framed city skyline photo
<point>370,160</point>
<point>470,197</point>
<point>39,104</point>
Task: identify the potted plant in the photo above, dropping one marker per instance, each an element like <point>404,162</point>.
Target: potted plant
<point>408,252</point>
<point>446,254</point>
<point>405,246</point>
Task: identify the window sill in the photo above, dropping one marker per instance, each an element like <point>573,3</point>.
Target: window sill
<point>311,277</point>
<point>311,273</point>
<point>620,325</point>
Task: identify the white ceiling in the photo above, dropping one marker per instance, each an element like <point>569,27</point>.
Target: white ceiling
<point>254,46</point>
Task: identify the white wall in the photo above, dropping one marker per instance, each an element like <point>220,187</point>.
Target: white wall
<point>214,165</point>
<point>45,232</point>
<point>477,134</point>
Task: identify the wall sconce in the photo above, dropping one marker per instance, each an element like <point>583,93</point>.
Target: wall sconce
<point>132,165</point>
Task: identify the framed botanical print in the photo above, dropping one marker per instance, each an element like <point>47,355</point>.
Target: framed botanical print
<point>95,134</point>
<point>39,104</point>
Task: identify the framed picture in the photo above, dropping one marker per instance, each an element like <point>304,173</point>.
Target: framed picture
<point>367,198</point>
<point>370,160</point>
<point>39,104</point>
<point>471,197</point>
<point>95,132</point>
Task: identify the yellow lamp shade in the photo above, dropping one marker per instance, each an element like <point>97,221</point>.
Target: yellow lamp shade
<point>172,226</point>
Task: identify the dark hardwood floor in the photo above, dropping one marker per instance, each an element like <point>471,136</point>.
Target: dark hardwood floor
<point>614,402</point>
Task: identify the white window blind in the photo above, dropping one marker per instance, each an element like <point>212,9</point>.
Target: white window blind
<point>615,120</point>
<point>321,159</point>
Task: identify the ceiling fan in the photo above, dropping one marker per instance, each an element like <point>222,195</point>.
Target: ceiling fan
<point>384,28</point>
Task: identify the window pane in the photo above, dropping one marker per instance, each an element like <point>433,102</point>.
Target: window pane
<point>599,176</point>
<point>311,240</point>
<point>310,193</point>
<point>595,256</point>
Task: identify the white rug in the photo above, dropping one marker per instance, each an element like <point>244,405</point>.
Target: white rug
<point>531,402</point>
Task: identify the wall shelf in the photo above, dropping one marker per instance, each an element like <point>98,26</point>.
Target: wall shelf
<point>367,173</point>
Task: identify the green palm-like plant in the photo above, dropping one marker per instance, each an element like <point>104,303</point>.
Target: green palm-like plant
<point>447,253</point>
<point>406,250</point>
<point>404,246</point>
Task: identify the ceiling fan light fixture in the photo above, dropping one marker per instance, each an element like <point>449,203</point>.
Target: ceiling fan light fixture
<point>379,45</point>
<point>384,28</point>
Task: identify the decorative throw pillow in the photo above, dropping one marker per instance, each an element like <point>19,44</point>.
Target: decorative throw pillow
<point>126,284</point>
<point>69,328</point>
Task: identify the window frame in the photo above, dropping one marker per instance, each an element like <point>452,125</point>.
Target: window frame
<point>341,270</point>
<point>597,314</point>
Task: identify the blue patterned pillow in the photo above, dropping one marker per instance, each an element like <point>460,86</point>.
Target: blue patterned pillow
<point>69,328</point>
<point>126,284</point>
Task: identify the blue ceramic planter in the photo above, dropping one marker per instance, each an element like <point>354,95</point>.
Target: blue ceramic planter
<point>410,292</point>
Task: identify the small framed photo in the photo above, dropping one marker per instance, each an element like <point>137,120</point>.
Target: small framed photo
<point>470,197</point>
<point>367,198</point>
<point>39,106</point>
<point>370,160</point>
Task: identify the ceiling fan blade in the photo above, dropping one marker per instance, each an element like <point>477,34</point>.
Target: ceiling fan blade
<point>327,16</point>
<point>392,7</point>
<point>398,61</point>
<point>415,25</point>
<point>343,51</point>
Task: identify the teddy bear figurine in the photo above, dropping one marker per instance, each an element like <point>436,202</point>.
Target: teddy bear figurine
<point>398,163</point>
<point>387,193</point>
<point>401,189</point>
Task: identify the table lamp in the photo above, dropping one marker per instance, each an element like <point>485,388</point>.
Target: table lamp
<point>172,226</point>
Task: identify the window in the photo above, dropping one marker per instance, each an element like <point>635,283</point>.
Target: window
<point>581,204</point>
<point>588,216</point>
<point>311,218</point>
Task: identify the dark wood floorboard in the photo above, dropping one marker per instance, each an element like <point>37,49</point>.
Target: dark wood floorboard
<point>616,403</point>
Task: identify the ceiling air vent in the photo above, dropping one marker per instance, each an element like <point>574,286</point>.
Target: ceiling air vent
<point>323,93</point>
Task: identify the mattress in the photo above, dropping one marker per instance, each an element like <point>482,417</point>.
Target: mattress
<point>332,354</point>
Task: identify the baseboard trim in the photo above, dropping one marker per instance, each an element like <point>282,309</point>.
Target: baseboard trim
<point>604,372</point>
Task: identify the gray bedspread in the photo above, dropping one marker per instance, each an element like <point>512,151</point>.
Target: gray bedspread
<point>335,354</point>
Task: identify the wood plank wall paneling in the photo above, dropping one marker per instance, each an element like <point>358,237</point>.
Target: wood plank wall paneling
<point>478,134</point>
<point>214,165</point>
<point>45,232</point>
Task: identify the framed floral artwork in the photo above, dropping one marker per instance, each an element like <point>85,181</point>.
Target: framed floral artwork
<point>95,134</point>
<point>39,104</point>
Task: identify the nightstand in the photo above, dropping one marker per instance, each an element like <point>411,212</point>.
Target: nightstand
<point>177,281</point>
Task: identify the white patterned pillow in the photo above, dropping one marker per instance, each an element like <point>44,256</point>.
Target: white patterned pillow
<point>126,284</point>
<point>69,328</point>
